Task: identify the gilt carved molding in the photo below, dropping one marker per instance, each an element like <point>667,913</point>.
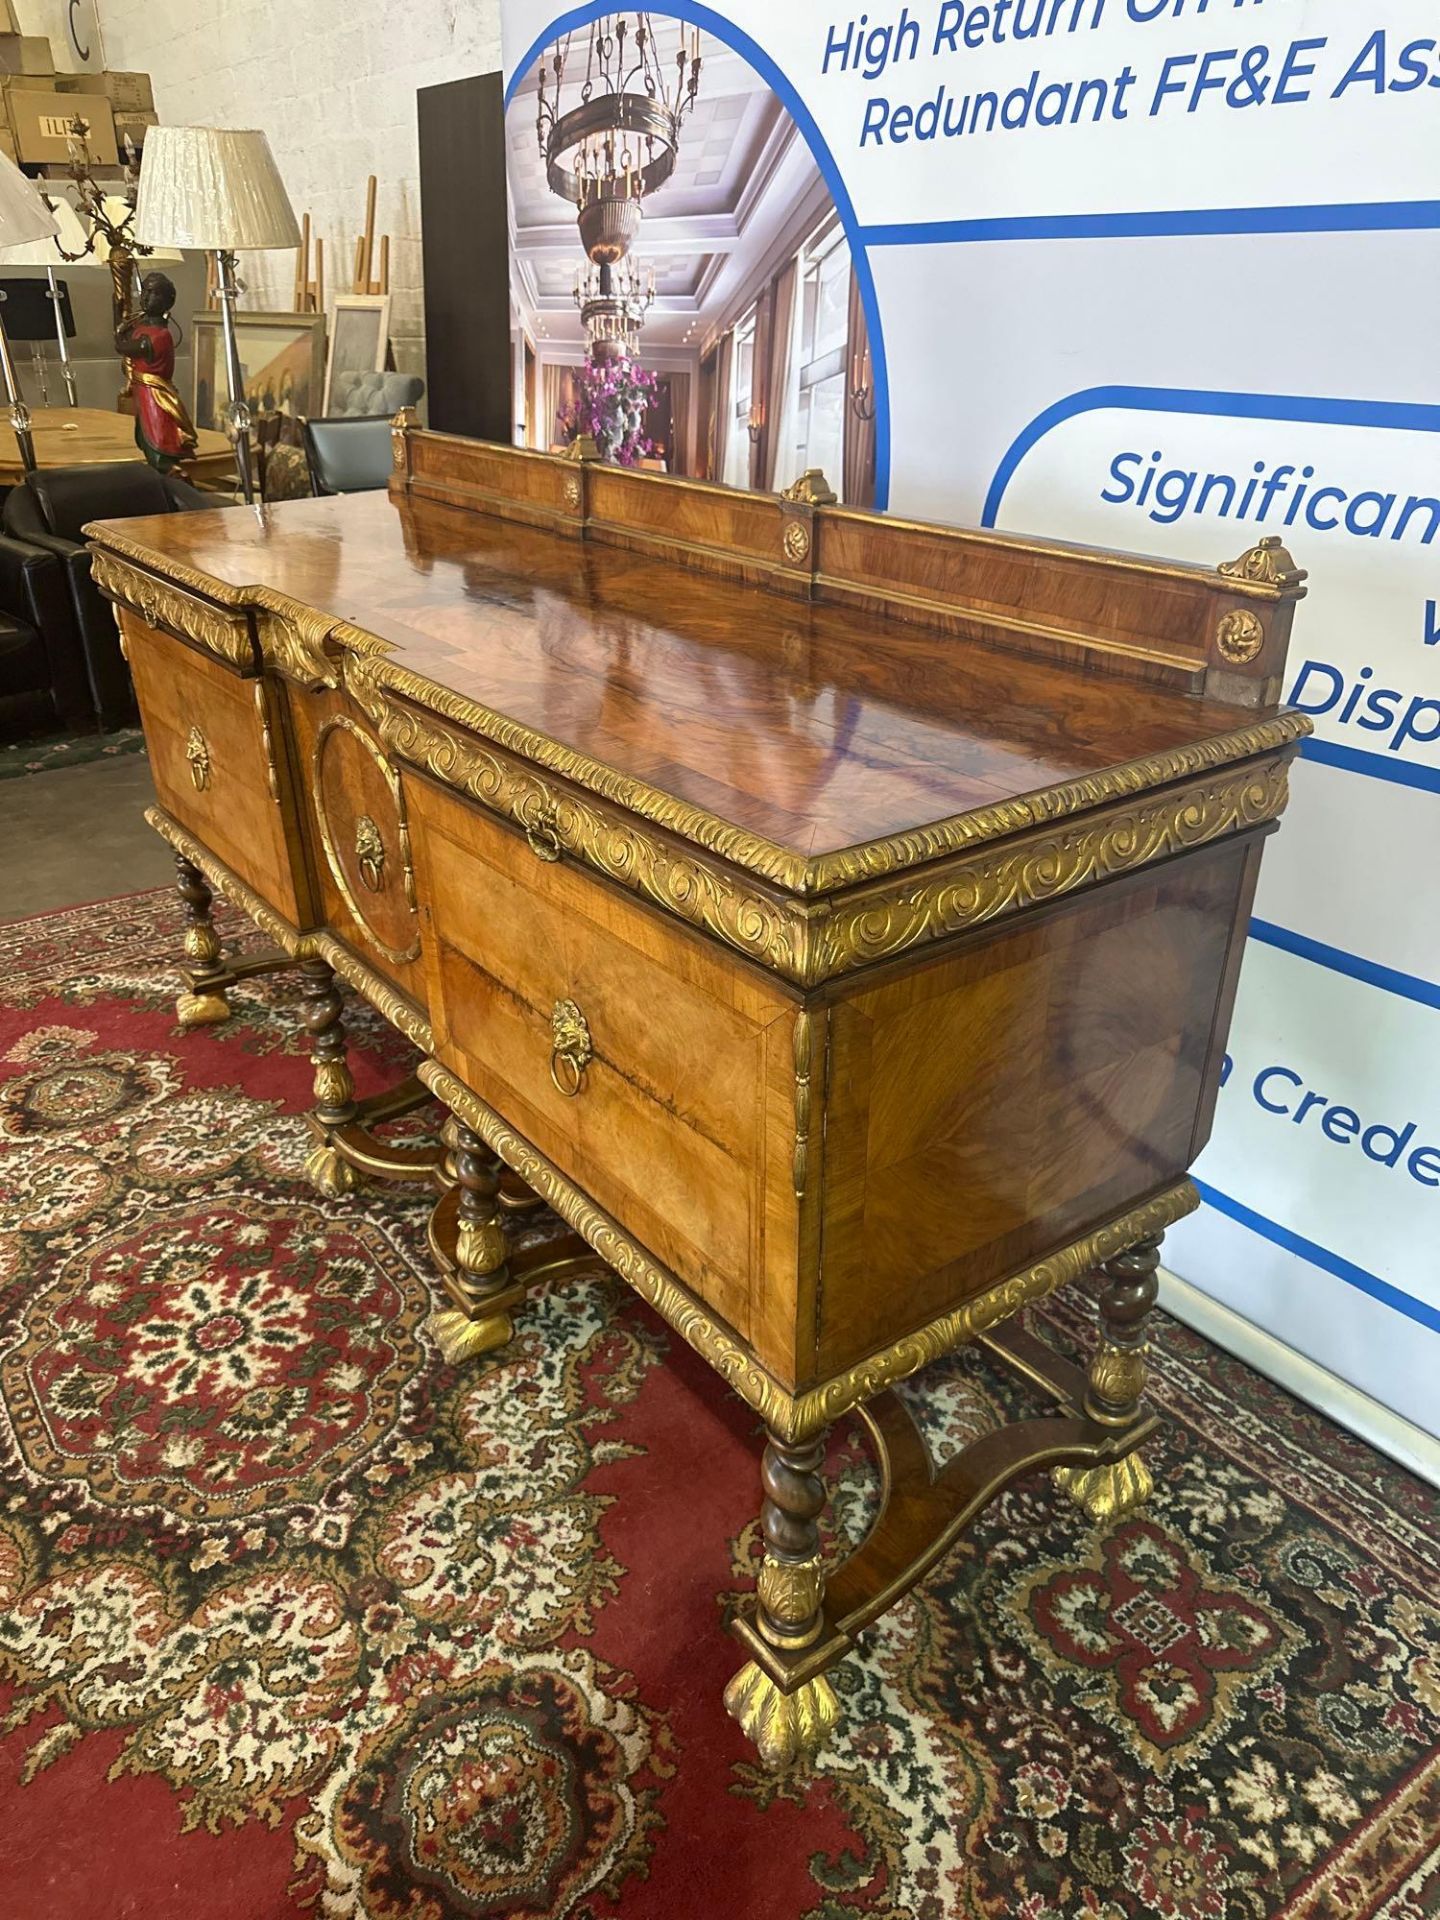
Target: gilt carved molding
<point>161,603</point>
<point>569,823</point>
<point>419,709</point>
<point>809,942</point>
<point>795,1416</point>
<point>387,1000</point>
<point>880,923</point>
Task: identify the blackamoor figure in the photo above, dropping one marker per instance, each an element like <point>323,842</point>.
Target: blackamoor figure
<point>164,432</point>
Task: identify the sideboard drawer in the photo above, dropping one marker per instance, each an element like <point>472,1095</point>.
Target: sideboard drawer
<point>621,1047</point>
<point>216,754</point>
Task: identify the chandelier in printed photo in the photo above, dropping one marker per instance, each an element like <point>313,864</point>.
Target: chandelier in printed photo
<point>613,303</point>
<point>611,105</point>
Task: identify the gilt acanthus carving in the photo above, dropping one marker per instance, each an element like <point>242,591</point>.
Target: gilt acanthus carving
<point>1044,866</point>
<point>810,942</point>
<point>1268,564</point>
<point>159,603</point>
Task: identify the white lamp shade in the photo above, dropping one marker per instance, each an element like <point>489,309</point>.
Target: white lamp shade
<point>115,211</point>
<point>69,234</point>
<point>24,215</point>
<point>214,188</point>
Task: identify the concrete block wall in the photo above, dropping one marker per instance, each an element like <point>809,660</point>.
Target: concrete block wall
<point>333,84</point>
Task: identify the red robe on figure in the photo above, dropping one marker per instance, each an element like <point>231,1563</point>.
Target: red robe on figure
<point>163,429</point>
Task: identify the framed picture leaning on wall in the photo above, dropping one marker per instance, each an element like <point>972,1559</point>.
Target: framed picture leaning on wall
<point>359,339</point>
<point>282,360</point>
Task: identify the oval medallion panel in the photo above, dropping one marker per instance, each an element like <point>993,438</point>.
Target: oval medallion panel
<point>360,810</point>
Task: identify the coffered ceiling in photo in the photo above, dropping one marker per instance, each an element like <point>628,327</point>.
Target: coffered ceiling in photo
<point>743,180</point>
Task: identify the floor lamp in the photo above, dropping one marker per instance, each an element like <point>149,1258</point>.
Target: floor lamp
<point>24,217</point>
<point>219,191</point>
<point>70,236</point>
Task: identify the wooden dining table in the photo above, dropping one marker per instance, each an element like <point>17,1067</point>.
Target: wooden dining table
<point>87,436</point>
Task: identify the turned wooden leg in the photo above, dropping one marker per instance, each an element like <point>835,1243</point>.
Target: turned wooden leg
<point>204,1003</point>
<point>1117,1382</point>
<point>334,1089</point>
<point>791,1586</point>
<point>482,1278</point>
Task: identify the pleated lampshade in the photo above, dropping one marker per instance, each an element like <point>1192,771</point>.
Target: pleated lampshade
<point>24,215</point>
<point>212,188</point>
<point>115,212</point>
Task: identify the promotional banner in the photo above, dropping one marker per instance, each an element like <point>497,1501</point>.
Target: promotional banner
<point>1158,275</point>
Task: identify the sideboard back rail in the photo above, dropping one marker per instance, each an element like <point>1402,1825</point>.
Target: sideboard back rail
<point>1221,631</point>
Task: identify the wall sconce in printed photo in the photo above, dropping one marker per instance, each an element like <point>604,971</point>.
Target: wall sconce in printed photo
<point>862,392</point>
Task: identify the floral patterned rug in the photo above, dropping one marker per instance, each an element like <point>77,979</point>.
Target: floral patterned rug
<point>297,1619</point>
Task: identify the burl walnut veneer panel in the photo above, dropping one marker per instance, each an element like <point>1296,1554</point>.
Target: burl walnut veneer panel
<point>668,1130</point>
<point>357,828</point>
<point>982,1108</point>
<point>216,757</point>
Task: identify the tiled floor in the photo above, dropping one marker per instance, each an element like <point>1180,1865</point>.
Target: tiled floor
<point>76,834</point>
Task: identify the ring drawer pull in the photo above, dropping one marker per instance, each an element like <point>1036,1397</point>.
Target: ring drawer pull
<point>542,832</point>
<point>571,1052</point>
<point>197,752</point>
<point>370,853</point>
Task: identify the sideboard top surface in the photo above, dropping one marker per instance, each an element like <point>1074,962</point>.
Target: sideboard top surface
<point>816,727</point>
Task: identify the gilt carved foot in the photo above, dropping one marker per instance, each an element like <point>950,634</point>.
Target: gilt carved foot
<point>461,1337</point>
<point>787,1723</point>
<point>202,1009</point>
<point>203,1004</point>
<point>1116,1384</point>
<point>782,1727</point>
<point>329,1174</point>
<point>1107,1492</point>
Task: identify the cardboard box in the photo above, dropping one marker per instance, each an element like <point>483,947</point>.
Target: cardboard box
<point>26,53</point>
<point>128,93</point>
<point>7,144</point>
<point>40,123</point>
<point>133,126</point>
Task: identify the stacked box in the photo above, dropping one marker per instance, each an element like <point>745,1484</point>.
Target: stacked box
<point>130,94</point>
<point>39,121</point>
<point>26,53</point>
<point>134,127</point>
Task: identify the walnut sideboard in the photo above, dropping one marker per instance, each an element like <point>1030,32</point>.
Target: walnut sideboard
<point>835,920</point>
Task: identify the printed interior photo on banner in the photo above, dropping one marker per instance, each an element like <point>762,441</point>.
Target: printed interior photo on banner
<point>707,323</point>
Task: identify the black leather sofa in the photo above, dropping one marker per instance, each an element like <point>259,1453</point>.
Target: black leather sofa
<point>43,683</point>
<point>46,514</point>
